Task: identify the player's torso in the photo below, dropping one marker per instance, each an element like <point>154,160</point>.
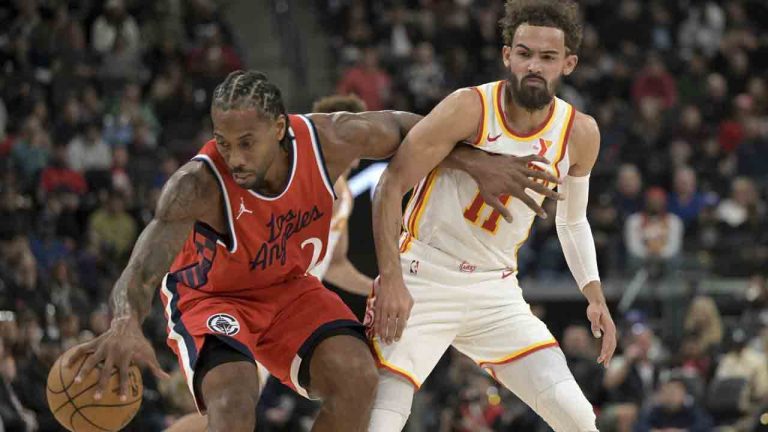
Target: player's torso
<point>447,212</point>
<point>268,239</point>
<point>342,209</point>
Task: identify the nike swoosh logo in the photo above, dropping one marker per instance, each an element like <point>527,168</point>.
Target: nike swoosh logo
<point>507,273</point>
<point>492,139</point>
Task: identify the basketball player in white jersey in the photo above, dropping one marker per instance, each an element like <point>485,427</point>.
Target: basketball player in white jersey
<point>452,279</point>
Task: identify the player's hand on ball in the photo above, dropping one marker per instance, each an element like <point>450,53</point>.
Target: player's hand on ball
<point>603,327</point>
<point>392,306</point>
<point>119,346</point>
<point>512,175</point>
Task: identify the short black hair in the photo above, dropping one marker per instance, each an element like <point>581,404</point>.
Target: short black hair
<point>250,89</point>
<point>561,14</point>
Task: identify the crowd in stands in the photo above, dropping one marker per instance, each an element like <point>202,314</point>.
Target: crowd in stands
<point>101,101</point>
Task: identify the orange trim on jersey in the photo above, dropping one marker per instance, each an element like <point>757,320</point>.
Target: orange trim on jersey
<point>418,209</point>
<point>483,119</point>
<point>380,362</point>
<point>517,355</point>
<point>502,119</point>
<point>405,243</point>
<point>564,136</point>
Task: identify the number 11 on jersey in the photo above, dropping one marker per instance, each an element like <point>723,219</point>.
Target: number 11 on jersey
<point>472,213</point>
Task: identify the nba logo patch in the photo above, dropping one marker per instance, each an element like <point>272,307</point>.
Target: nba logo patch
<point>223,323</point>
<point>414,267</point>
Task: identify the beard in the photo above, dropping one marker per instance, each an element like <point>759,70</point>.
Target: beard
<point>529,97</point>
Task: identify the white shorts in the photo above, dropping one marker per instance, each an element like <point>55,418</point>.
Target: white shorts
<point>482,314</point>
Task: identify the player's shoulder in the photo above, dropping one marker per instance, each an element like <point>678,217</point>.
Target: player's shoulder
<point>187,190</point>
<point>585,133</point>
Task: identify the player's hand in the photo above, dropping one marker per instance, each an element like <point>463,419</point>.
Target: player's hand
<point>499,175</point>
<point>122,344</point>
<point>603,327</point>
<point>392,307</point>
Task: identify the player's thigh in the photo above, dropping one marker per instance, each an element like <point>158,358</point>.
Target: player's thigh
<point>225,379</point>
<point>501,328</point>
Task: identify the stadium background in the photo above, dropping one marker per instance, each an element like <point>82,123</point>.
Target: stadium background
<point>101,101</point>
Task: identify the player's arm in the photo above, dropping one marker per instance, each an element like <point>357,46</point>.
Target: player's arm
<point>342,273</point>
<point>575,234</point>
<point>177,210</point>
<point>348,136</point>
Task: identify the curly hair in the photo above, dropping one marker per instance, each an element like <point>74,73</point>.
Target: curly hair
<point>335,103</point>
<point>561,14</point>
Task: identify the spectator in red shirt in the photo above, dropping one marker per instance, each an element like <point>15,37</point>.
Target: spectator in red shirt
<point>368,81</point>
<point>58,175</point>
<point>656,82</point>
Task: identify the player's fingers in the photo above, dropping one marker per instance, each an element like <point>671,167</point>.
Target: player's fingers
<point>125,364</point>
<point>378,317</point>
<point>497,205</point>
<point>541,175</point>
<point>535,158</point>
<point>90,362</point>
<point>106,373</point>
<point>547,192</point>
<point>527,200</point>
<point>595,322</point>
<point>78,352</point>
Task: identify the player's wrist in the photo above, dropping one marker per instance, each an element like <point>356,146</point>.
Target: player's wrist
<point>593,292</point>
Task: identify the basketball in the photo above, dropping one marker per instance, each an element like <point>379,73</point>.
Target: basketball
<point>75,408</point>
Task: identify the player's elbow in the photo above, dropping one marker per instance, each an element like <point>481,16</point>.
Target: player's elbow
<point>391,184</point>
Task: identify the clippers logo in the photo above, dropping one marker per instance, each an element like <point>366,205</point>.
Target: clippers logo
<point>223,323</point>
<point>414,267</point>
<point>466,267</point>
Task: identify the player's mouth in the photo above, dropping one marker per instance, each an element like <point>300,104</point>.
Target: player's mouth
<point>535,80</point>
<point>241,178</point>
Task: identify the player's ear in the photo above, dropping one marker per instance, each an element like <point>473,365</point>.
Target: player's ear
<point>506,54</point>
<point>280,127</point>
<point>571,60</point>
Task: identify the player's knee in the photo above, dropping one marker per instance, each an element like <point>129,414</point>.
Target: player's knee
<point>566,408</point>
<point>392,405</point>
<point>363,379</point>
<point>232,410</point>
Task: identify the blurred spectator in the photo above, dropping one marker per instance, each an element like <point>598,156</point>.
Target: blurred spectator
<point>30,152</point>
<point>630,378</point>
<point>673,408</point>
<point>629,192</point>
<point>580,353</point>
<point>704,324</point>
<point>654,81</point>
<point>368,81</point>
<point>685,200</point>
<point>88,151</point>
<point>114,228</point>
<point>654,235</point>
<point>425,78</point>
<point>13,415</point>
<point>57,176</point>
<point>743,362</point>
<point>210,62</point>
<point>113,25</point>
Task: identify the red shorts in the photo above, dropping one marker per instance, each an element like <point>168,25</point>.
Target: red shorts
<point>276,326</point>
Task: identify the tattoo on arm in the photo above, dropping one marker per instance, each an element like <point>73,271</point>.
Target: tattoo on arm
<point>177,210</point>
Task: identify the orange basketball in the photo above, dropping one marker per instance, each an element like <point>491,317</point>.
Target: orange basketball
<point>74,407</point>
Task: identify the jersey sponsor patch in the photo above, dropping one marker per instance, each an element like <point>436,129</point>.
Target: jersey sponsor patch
<point>223,323</point>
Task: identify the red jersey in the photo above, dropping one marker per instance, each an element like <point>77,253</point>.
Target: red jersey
<point>269,239</point>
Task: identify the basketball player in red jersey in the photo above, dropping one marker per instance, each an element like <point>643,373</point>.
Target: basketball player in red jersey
<point>235,233</point>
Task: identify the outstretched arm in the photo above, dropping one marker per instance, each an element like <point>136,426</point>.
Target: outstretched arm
<point>575,234</point>
<point>177,210</point>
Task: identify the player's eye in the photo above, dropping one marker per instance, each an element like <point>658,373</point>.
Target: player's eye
<point>525,54</point>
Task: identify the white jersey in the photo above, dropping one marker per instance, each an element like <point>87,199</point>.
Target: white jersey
<point>446,211</point>
<point>342,209</point>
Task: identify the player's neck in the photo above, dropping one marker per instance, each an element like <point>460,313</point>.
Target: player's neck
<point>278,174</point>
<point>521,120</point>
